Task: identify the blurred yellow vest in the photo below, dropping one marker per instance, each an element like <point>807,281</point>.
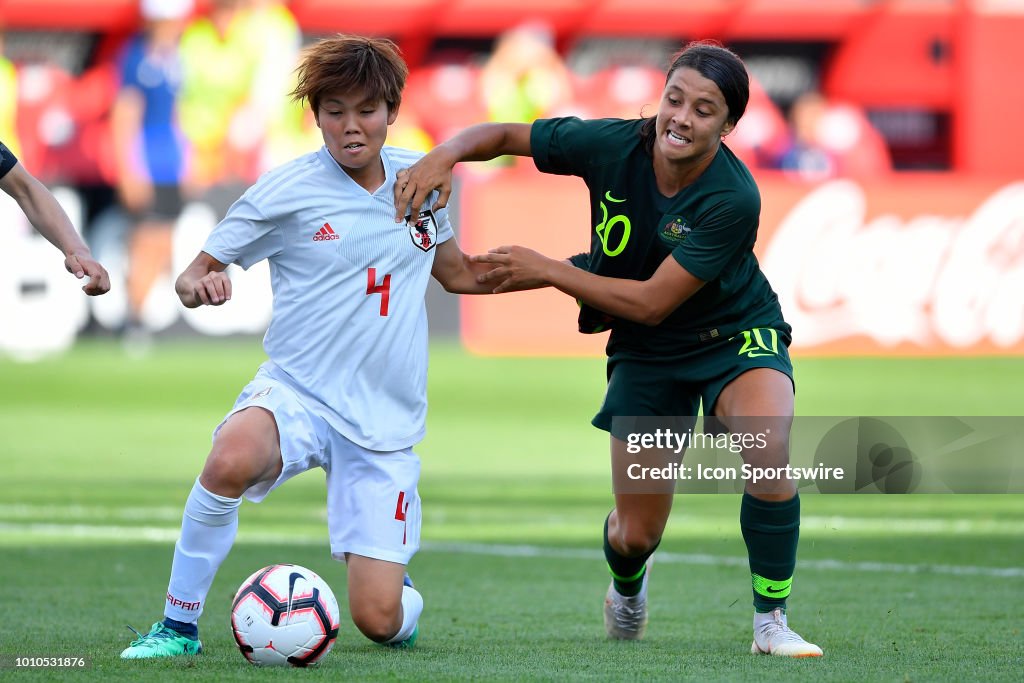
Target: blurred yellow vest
<point>8,105</point>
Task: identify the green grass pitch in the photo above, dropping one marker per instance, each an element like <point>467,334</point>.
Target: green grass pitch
<point>99,452</point>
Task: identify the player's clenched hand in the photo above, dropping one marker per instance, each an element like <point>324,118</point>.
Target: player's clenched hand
<point>515,269</point>
<point>84,265</point>
<point>414,184</point>
<point>213,289</point>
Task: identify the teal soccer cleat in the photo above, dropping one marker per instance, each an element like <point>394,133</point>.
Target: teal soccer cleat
<point>161,642</point>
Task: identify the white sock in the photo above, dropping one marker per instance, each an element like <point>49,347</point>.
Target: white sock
<point>762,618</point>
<point>208,530</point>
<point>412,608</point>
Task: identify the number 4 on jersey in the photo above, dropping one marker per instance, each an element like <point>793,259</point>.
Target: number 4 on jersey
<point>384,288</point>
<point>400,512</point>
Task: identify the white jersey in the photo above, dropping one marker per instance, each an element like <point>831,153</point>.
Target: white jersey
<point>349,325</point>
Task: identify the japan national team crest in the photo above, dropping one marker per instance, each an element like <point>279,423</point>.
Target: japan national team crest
<point>423,230</point>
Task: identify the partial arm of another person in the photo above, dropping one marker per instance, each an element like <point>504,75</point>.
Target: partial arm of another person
<point>46,215</point>
<point>458,273</point>
<point>647,302</point>
<point>203,283</point>
<point>482,142</point>
<point>134,187</point>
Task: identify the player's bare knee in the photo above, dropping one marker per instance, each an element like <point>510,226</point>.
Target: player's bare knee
<point>245,453</point>
<point>377,622</point>
<point>775,448</point>
<point>772,454</point>
<point>221,476</point>
<point>230,472</point>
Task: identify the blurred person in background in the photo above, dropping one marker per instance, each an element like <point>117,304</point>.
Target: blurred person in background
<point>217,80</point>
<point>295,133</point>
<point>150,149</point>
<point>694,321</point>
<point>830,140</point>
<point>46,215</point>
<point>525,78</point>
<point>410,133</point>
<point>805,156</point>
<point>268,129</point>
<point>763,134</point>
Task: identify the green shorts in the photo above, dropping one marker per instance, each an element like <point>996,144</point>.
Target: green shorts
<point>668,386</point>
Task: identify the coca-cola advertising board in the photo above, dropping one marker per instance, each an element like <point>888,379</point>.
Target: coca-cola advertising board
<point>908,264</point>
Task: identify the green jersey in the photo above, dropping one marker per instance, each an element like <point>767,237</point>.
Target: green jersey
<point>709,227</point>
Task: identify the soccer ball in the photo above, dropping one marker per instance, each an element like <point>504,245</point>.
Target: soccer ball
<point>284,615</point>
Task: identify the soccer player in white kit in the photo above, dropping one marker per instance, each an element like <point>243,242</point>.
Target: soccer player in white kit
<point>344,388</point>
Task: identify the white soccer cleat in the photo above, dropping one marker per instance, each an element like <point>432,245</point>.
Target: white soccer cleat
<point>774,637</point>
<point>625,618</point>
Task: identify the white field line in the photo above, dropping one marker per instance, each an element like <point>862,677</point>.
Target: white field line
<point>722,561</point>
<point>10,511</point>
<point>809,524</point>
<point>169,535</point>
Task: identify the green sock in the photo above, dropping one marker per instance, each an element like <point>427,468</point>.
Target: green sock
<point>771,531</point>
<point>627,572</point>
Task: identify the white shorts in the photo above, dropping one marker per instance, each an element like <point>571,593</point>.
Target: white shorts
<point>373,505</point>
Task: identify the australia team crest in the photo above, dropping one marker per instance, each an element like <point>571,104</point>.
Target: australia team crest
<point>674,229</point>
<point>423,230</point>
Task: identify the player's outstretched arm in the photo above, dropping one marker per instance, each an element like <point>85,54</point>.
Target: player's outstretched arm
<point>482,142</point>
<point>203,283</point>
<point>647,302</point>
<point>46,215</point>
<point>457,272</point>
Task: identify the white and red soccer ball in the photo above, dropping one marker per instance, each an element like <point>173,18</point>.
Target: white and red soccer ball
<point>284,615</point>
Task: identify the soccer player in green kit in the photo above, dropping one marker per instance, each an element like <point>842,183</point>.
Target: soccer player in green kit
<point>671,270</point>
